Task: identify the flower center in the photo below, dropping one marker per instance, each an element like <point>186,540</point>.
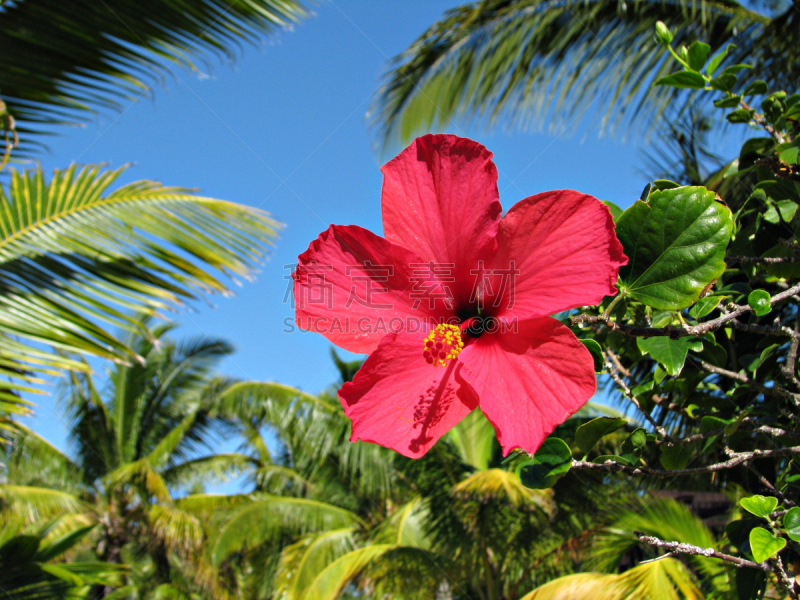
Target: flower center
<point>442,344</point>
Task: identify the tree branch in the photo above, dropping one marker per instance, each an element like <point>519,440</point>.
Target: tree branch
<point>736,459</point>
<point>674,333</point>
<point>681,548</point>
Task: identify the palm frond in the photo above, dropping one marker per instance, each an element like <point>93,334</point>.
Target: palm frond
<point>329,583</point>
<point>302,561</point>
<point>529,62</point>
<point>260,521</point>
<point>496,484</point>
<point>665,579</point>
<point>474,439</point>
<point>36,504</point>
<point>74,256</point>
<point>33,461</point>
<point>65,59</point>
<point>177,529</point>
<point>208,470</point>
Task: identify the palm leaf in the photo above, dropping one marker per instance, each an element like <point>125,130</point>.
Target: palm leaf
<point>63,59</point>
<point>35,504</point>
<point>329,583</point>
<point>528,62</point>
<point>474,438</point>
<point>302,561</point>
<point>261,520</point>
<point>76,257</point>
<point>496,484</point>
<point>177,529</point>
<point>665,579</point>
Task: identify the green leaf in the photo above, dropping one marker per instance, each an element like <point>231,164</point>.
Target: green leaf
<point>733,69</point>
<point>588,434</point>
<point>740,116</point>
<point>756,88</point>
<point>708,424</point>
<point>683,79</point>
<point>751,584</point>
<point>704,306</point>
<point>675,243</point>
<point>714,354</point>
<point>765,545</point>
<point>663,184</point>
<point>790,155</point>
<point>674,458</point>
<point>723,82</point>
<point>633,445</point>
<point>668,352</point>
<point>728,102</point>
<point>716,61</point>
<point>551,462</point>
<point>791,522</point>
<point>698,52</point>
<point>759,301</point>
<point>616,211</point>
<point>597,354</point>
<point>760,506</point>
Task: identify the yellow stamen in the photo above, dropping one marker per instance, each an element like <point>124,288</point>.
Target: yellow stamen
<point>442,344</point>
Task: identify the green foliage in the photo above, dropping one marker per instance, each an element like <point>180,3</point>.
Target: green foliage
<point>550,463</point>
<point>675,241</point>
<point>62,61</point>
<point>529,62</point>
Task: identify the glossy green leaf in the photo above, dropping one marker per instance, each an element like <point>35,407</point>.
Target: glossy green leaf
<point>597,354</point>
<point>791,522</point>
<point>588,434</point>
<point>759,301</point>
<point>550,463</point>
<point>723,82</point>
<point>704,306</point>
<point>756,88</point>
<point>698,53</point>
<point>683,79</point>
<point>740,116</point>
<point>674,458</point>
<point>668,352</point>
<point>616,211</point>
<point>675,243</point>
<point>633,445</point>
<point>765,545</point>
<point>716,61</point>
<point>728,102</point>
<point>790,155</point>
<point>760,506</point>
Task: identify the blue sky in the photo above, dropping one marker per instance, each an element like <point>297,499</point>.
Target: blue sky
<point>283,128</point>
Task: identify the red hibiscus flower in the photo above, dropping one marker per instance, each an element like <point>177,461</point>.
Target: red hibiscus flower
<point>452,304</point>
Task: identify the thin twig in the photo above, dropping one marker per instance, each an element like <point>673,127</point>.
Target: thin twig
<point>613,371</point>
<point>776,390</point>
<point>765,260</point>
<point>735,310</point>
<point>738,458</point>
<point>681,548</point>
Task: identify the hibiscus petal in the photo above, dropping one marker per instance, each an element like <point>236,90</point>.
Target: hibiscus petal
<point>353,287</point>
<point>530,381</point>
<point>563,246</point>
<point>401,402</point>
<point>440,198</point>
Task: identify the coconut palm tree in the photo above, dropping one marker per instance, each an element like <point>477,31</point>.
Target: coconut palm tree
<point>332,519</point>
<point>524,63</point>
<point>141,447</point>
<point>62,61</point>
<point>77,256</point>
